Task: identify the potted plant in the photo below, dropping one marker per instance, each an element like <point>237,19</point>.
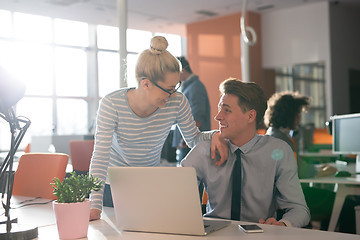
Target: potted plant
<point>72,208</point>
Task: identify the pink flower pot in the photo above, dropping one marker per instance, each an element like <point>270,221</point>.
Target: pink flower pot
<point>72,219</point>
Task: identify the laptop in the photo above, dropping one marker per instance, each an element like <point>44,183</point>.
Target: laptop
<point>159,200</point>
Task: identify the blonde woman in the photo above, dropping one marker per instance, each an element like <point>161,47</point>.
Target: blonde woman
<point>133,123</point>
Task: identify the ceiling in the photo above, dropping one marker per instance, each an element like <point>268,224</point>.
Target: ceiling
<point>168,16</point>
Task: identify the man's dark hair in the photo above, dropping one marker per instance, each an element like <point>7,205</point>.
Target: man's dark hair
<point>185,64</point>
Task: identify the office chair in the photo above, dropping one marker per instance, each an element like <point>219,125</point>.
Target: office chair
<point>36,171</point>
<point>320,202</point>
<point>80,155</point>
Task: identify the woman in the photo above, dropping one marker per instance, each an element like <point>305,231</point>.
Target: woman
<point>133,123</point>
<point>283,115</point>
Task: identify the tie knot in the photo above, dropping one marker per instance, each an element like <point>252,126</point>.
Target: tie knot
<point>238,153</point>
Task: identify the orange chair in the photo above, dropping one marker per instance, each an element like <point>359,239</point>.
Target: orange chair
<point>27,148</point>
<point>80,155</point>
<point>261,131</point>
<point>322,136</point>
<point>36,171</point>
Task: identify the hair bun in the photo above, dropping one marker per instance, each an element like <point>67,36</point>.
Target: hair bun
<point>158,45</point>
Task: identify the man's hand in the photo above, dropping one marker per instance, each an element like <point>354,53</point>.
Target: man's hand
<point>218,144</point>
<point>271,221</point>
<point>95,214</point>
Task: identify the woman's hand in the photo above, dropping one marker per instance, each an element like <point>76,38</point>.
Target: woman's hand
<point>218,143</point>
<point>95,214</point>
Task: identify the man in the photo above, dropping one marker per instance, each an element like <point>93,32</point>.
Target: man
<point>196,93</point>
<point>267,178</point>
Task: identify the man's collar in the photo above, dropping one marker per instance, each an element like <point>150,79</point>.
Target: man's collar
<point>190,76</point>
<point>246,147</point>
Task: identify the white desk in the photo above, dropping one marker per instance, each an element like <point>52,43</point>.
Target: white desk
<point>346,186</point>
<point>102,229</point>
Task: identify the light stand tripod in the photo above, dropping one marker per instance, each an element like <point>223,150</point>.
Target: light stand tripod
<point>10,229</point>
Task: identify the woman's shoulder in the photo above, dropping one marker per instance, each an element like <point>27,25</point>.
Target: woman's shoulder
<point>116,96</point>
<point>177,99</point>
<point>117,93</point>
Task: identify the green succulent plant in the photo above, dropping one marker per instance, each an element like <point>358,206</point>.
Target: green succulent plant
<point>75,188</point>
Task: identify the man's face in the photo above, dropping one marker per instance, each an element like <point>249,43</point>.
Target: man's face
<point>233,122</point>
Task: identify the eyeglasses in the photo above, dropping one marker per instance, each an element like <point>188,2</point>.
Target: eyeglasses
<point>167,91</point>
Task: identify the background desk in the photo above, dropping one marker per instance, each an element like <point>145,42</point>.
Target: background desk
<point>43,217</point>
<point>346,186</point>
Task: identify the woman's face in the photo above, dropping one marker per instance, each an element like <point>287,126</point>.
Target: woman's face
<point>297,120</point>
<point>163,91</point>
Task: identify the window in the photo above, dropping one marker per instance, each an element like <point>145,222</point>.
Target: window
<point>174,42</point>
<point>108,72</point>
<point>67,67</point>
<point>71,116</point>
<point>40,112</point>
<point>32,28</point>
<point>5,26</point>
<point>70,72</point>
<point>36,64</point>
<point>71,33</point>
<point>107,37</point>
<point>137,40</point>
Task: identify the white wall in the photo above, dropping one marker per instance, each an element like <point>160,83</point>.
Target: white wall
<point>345,53</point>
<point>298,35</point>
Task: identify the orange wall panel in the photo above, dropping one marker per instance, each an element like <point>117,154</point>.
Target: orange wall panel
<point>214,53</point>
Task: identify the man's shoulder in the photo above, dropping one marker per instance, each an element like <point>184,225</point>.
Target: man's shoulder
<point>203,145</point>
<point>194,82</point>
<point>198,153</point>
<point>202,149</point>
<point>273,143</point>
<point>199,83</point>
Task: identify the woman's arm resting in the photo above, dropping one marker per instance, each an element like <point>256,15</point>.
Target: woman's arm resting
<point>218,143</point>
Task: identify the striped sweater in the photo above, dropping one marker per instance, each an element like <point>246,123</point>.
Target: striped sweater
<point>124,139</point>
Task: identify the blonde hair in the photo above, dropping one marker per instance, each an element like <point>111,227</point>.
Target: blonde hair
<point>155,62</point>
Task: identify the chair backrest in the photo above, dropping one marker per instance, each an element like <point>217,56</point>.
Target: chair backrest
<point>36,171</point>
<point>81,153</point>
<point>322,136</point>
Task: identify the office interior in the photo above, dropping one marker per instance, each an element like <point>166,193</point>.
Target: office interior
<point>310,46</point>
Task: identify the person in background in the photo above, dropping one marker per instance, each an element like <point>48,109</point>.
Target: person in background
<point>133,123</point>
<point>260,174</point>
<point>282,119</point>
<point>196,93</point>
<point>283,115</point>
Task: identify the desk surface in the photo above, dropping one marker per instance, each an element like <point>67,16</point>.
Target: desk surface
<point>346,186</point>
<point>321,153</point>
<point>43,216</point>
<point>355,180</point>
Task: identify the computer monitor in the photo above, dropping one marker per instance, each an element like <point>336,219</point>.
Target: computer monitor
<point>346,135</point>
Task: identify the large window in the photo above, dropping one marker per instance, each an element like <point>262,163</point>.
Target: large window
<point>67,67</point>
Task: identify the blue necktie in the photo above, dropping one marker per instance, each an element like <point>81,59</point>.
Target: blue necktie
<point>236,188</point>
